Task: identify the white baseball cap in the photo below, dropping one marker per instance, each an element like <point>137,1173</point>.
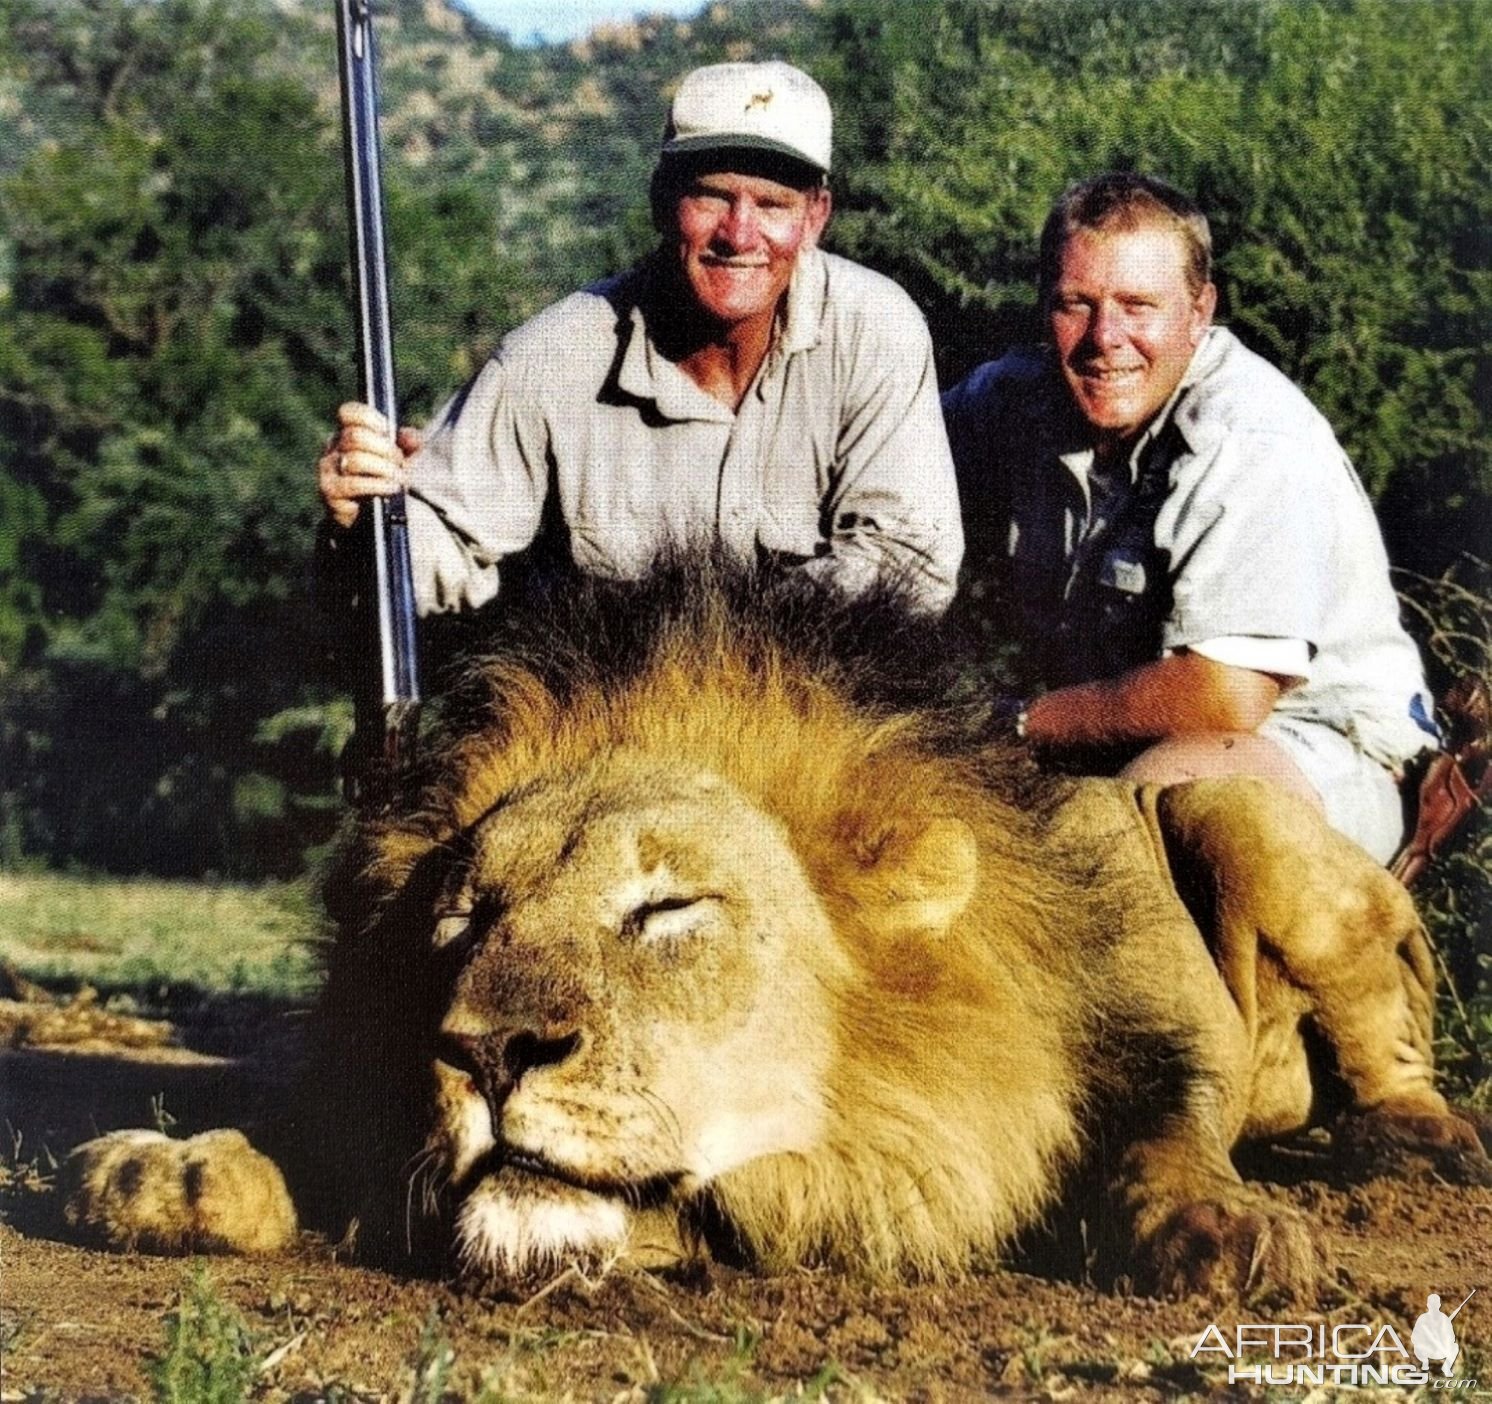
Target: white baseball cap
<point>753,107</point>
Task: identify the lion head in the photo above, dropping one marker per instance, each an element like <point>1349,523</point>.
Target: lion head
<point>636,936</point>
<point>711,927</point>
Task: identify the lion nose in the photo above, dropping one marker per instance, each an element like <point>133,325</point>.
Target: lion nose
<point>496,1060</point>
<point>525,1050</point>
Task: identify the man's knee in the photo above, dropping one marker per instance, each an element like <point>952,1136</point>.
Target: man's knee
<point>1204,755</point>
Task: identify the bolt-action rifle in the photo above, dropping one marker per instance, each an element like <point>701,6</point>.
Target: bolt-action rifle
<point>387,685</point>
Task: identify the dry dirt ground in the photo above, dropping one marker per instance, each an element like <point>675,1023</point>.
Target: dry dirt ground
<point>77,1323</point>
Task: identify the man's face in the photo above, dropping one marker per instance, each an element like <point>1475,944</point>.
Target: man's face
<point>1125,324</point>
<point>739,237</point>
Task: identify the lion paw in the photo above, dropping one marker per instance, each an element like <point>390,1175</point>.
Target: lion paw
<point>210,1193</point>
<point>1227,1251</point>
<point>1410,1143</point>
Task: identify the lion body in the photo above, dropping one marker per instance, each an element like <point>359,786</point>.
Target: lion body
<point>706,945</point>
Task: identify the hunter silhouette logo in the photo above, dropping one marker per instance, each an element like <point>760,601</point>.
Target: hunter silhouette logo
<point>1434,1338</point>
<point>1355,1353</point>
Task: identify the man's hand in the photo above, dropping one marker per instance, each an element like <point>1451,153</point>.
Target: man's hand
<point>362,460</point>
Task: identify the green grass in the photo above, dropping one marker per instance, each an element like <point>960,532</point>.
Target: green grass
<point>1455,900</point>
<point>152,936</point>
<point>209,1356</point>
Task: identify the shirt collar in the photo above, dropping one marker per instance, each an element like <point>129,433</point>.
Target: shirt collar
<point>805,305</point>
<point>1210,350</point>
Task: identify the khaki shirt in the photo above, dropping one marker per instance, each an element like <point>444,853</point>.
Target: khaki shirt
<point>837,457</point>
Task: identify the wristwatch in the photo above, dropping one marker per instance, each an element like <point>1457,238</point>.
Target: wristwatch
<point>1010,716</point>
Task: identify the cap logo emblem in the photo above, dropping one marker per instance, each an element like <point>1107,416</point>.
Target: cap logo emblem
<point>760,100</point>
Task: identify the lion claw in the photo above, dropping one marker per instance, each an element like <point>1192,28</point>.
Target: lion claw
<point>1225,1251</point>
<point>1384,1141</point>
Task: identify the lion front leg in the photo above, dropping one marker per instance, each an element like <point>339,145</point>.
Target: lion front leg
<point>1305,926</point>
<point>1192,1225</point>
<point>1175,1048</point>
<point>1197,1228</point>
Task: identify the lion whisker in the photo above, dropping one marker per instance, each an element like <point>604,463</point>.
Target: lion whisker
<point>425,1176</point>
<point>666,1117</point>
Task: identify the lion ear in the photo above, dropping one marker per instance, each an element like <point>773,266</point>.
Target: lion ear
<point>925,878</point>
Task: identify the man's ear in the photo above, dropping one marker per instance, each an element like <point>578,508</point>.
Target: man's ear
<point>921,879</point>
<point>1203,306</point>
<point>820,207</point>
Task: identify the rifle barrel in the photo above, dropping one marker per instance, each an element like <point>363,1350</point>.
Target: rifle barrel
<point>389,715</point>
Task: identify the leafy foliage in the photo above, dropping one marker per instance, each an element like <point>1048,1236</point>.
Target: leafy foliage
<point>173,337</point>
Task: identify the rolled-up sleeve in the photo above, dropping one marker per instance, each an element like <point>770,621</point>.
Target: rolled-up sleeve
<point>477,490</point>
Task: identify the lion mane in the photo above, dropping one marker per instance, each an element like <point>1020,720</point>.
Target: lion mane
<point>840,719</point>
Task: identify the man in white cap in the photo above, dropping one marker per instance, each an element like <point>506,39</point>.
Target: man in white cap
<point>737,387</point>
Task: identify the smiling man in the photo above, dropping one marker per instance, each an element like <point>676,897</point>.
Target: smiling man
<point>1193,565</point>
<point>738,386</point>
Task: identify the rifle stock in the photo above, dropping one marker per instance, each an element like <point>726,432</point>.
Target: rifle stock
<point>387,688</point>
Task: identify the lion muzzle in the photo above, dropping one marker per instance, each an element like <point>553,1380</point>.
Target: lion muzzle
<point>515,1222</point>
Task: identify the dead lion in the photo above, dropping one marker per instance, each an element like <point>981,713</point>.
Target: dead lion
<point>701,930</point>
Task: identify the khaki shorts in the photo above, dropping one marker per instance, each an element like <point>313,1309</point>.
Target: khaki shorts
<point>1361,796</point>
